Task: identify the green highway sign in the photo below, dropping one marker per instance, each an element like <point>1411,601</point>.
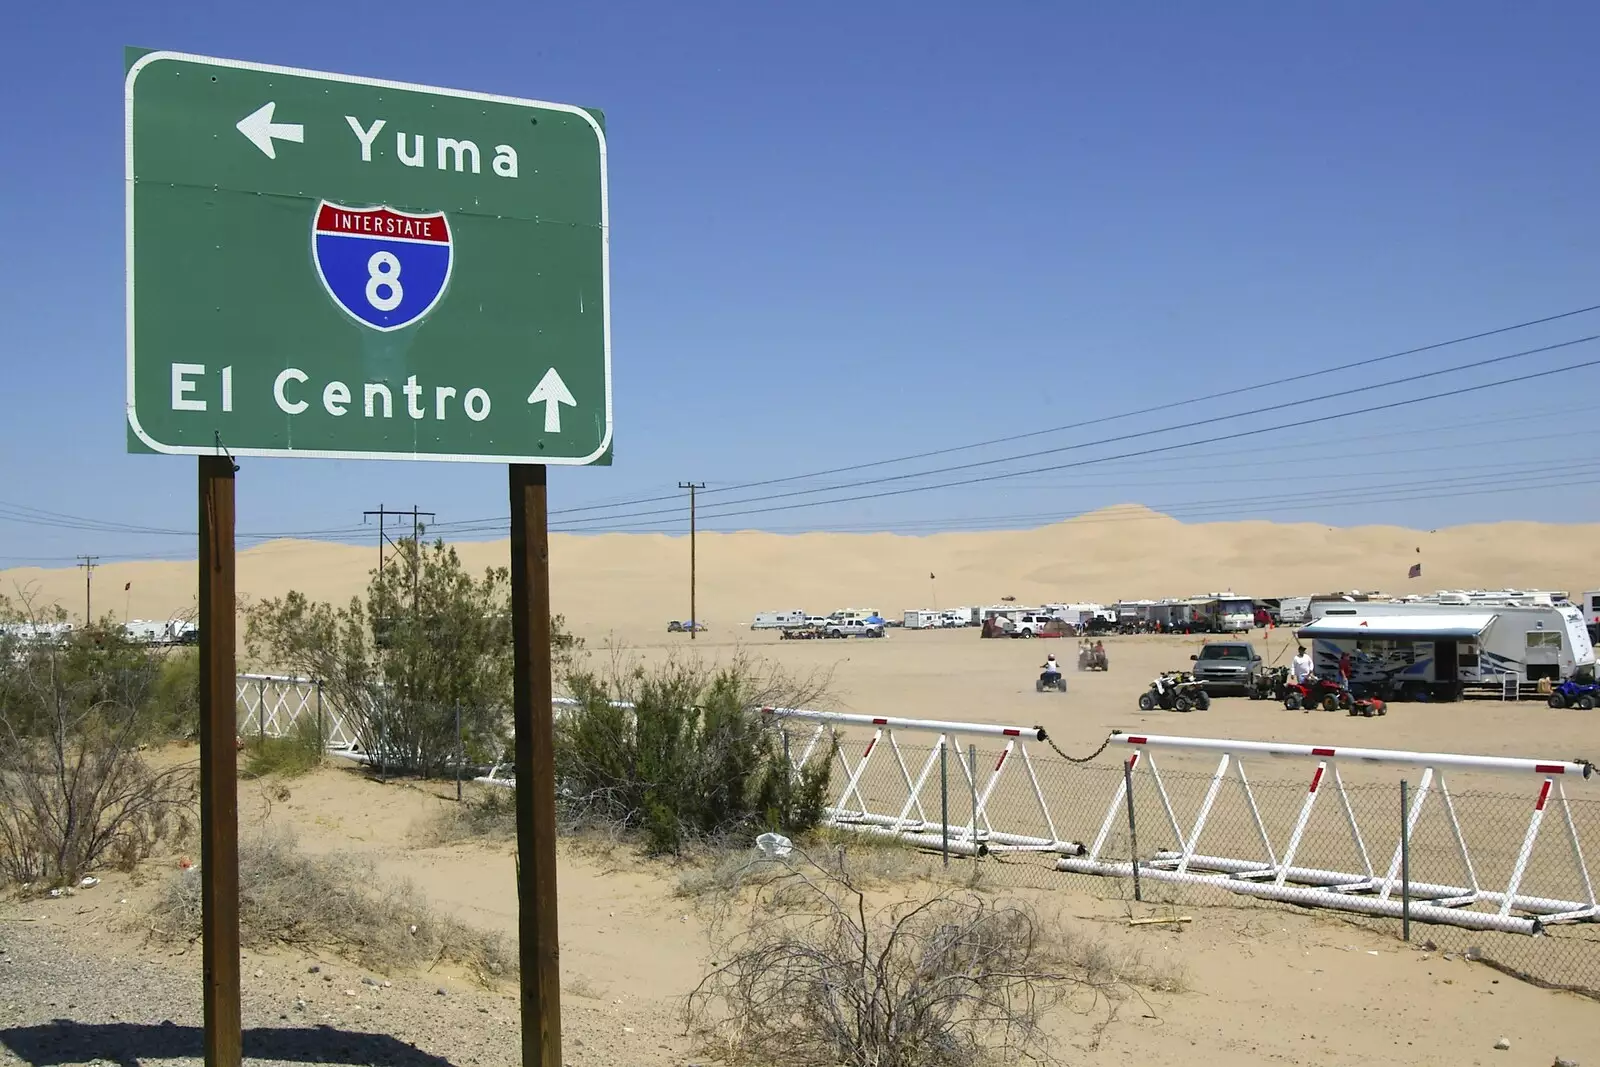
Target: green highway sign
<point>332,266</point>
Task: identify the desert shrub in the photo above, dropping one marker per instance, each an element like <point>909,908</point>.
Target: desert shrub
<point>429,639</point>
<point>335,901</point>
<point>74,791</point>
<point>299,752</point>
<point>691,758</point>
<point>173,710</point>
<point>814,975</point>
<point>489,812</point>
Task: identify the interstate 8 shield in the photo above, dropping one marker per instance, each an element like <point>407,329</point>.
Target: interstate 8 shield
<point>384,268</point>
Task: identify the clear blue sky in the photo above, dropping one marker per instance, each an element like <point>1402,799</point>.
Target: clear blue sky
<point>844,232</point>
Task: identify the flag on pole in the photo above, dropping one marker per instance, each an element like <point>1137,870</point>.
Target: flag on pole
<point>127,587</point>
<point>1415,572</point>
<point>931,576</point>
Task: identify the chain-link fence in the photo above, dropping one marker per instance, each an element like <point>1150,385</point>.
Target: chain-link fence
<point>1227,838</point>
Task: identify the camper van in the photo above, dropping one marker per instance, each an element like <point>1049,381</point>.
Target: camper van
<point>779,620</point>
<point>1439,647</point>
<point>1223,613</point>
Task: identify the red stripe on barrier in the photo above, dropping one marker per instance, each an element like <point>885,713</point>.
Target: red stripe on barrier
<point>997,763</point>
<point>1544,795</point>
<point>1133,761</point>
<point>880,722</point>
<point>868,752</point>
<point>1138,740</point>
<point>1322,752</point>
<point>1550,768</point>
<point>1316,780</point>
<point>1013,733</point>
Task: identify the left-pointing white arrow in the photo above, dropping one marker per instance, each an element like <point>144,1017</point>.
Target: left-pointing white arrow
<point>260,129</point>
<point>552,392</point>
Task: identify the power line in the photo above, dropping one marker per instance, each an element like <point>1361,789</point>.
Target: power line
<point>1237,435</point>
<point>1101,420</point>
<point>1168,406</point>
<point>1473,473</point>
<point>1339,394</point>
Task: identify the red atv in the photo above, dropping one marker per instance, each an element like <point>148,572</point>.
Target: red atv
<point>1316,692</point>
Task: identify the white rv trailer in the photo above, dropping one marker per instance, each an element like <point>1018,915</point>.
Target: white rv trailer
<point>1591,607</point>
<point>779,620</point>
<point>1440,647</point>
<point>1293,610</point>
<point>1076,614</point>
<point>922,619</point>
<point>147,631</point>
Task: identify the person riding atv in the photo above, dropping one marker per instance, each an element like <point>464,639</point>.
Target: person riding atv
<point>1092,657</point>
<point>1050,676</point>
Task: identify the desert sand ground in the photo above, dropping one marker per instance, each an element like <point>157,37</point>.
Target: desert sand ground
<point>1265,986</point>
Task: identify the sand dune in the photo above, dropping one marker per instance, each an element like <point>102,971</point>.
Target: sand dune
<point>628,581</point>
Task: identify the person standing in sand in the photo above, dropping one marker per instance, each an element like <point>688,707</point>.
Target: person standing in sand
<point>1301,666</point>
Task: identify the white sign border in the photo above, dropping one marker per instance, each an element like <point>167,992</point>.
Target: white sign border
<point>352,79</point>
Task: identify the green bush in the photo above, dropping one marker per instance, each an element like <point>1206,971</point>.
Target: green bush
<point>300,752</point>
<point>691,759</point>
<point>173,710</point>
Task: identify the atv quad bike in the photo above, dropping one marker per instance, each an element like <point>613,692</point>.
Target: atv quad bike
<point>1175,691</point>
<point>1317,692</point>
<point>1050,680</point>
<point>1575,694</point>
<point>1269,683</point>
<point>1091,658</point>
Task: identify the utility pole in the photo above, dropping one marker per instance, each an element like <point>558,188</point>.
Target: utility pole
<point>88,566</point>
<point>694,618</point>
<point>417,516</point>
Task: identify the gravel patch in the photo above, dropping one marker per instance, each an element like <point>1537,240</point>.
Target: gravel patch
<point>75,992</point>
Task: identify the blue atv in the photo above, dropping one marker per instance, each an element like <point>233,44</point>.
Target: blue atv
<point>1575,694</point>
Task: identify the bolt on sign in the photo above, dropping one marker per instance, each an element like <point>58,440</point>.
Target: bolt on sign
<point>333,266</point>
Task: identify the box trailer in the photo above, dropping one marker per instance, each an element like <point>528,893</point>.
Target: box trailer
<point>1440,650</point>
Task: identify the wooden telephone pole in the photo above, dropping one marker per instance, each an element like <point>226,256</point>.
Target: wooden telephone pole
<point>694,618</point>
<point>88,566</point>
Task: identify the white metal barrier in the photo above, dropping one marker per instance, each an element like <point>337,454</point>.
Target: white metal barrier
<point>273,703</point>
<point>1273,874</point>
<point>912,822</point>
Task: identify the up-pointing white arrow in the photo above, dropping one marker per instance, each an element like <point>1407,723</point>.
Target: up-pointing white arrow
<point>552,392</point>
<point>260,129</point>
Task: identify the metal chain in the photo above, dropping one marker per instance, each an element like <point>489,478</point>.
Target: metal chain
<point>1074,759</point>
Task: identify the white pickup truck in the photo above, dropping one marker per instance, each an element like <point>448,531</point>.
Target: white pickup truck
<point>853,627</point>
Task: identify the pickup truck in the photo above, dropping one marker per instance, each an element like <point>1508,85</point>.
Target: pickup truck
<point>853,628</point>
<point>1226,666</point>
